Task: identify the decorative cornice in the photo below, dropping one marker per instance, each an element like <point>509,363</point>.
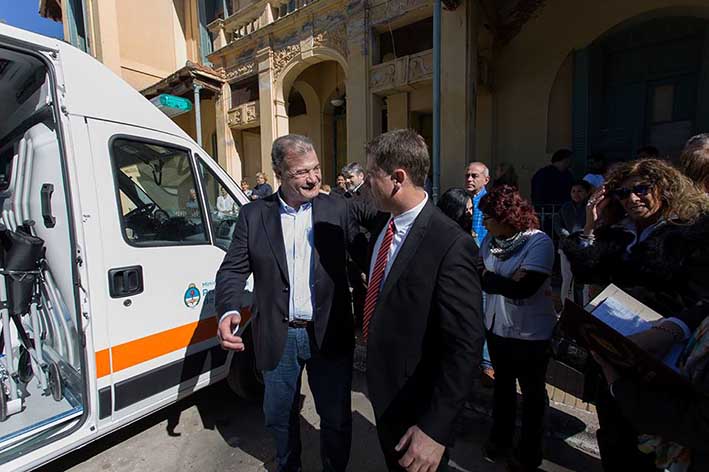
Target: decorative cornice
<point>283,56</point>
<point>241,70</point>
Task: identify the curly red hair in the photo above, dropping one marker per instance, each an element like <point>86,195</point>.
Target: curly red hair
<point>507,206</point>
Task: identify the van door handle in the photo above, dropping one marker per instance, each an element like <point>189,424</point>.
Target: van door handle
<point>125,281</point>
<point>46,199</point>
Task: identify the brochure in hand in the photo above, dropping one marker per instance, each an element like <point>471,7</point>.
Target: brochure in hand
<point>603,326</point>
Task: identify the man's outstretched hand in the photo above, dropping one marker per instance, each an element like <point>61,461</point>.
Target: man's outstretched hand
<point>423,454</point>
<point>226,339</point>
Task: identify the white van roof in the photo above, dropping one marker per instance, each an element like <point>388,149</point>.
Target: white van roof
<point>92,89</point>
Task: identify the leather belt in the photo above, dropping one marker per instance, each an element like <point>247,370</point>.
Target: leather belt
<point>299,323</point>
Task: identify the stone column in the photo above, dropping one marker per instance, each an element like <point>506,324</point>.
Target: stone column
<point>358,99</point>
<point>226,147</point>
<point>454,93</point>
<point>398,111</point>
<point>267,108</point>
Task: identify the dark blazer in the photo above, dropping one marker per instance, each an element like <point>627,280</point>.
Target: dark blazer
<point>426,333</point>
<point>258,248</point>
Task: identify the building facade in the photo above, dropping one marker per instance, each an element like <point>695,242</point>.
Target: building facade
<point>520,78</point>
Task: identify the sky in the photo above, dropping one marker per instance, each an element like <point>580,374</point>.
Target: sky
<point>24,14</point>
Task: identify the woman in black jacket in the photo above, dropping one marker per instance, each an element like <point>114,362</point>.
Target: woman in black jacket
<point>646,231</point>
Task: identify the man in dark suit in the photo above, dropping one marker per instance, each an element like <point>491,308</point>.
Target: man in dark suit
<point>358,191</point>
<point>423,315</point>
<point>294,243</point>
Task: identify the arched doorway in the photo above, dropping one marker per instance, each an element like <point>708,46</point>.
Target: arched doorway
<point>316,107</point>
<point>646,85</point>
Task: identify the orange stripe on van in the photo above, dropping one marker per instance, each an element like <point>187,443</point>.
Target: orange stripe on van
<point>103,363</point>
<point>144,349</point>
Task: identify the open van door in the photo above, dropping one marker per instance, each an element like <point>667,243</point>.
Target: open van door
<point>160,260</point>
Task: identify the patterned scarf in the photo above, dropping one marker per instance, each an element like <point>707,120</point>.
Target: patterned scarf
<point>503,249</point>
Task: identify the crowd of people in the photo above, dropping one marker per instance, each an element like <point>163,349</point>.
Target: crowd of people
<point>439,296</point>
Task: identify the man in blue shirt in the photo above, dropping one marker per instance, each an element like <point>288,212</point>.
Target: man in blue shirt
<point>477,177</point>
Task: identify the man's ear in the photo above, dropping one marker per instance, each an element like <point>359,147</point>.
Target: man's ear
<point>399,176</point>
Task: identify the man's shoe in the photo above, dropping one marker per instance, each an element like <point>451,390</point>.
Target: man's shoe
<point>494,453</point>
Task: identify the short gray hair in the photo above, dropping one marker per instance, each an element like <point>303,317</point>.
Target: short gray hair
<point>353,168</point>
<point>284,145</point>
<point>486,171</point>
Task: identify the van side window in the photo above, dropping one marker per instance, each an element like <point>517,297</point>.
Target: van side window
<point>158,194</point>
<point>223,207</point>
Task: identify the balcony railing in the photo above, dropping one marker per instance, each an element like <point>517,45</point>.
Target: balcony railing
<point>402,73</point>
<point>244,116</point>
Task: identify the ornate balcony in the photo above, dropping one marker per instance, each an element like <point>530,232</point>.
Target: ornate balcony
<point>402,73</point>
<point>244,116</point>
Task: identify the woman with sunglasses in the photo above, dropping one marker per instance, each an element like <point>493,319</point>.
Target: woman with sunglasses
<point>646,232</point>
<point>519,318</point>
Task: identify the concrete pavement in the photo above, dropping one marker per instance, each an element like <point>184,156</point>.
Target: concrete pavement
<point>215,431</point>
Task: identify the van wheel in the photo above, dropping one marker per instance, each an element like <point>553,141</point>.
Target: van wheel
<point>243,378</point>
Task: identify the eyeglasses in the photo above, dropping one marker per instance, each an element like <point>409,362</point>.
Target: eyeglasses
<point>302,173</point>
<point>623,193</point>
<point>472,176</point>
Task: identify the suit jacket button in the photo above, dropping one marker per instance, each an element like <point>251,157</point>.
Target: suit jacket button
<point>286,289</point>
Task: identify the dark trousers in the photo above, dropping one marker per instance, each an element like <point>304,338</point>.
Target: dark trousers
<point>526,362</point>
<point>391,427</point>
<point>618,440</point>
<point>330,381</point>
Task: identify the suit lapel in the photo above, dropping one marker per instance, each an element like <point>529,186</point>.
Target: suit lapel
<point>408,250</point>
<point>317,216</point>
<point>274,232</point>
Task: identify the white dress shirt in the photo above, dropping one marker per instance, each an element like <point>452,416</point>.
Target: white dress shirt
<point>297,227</point>
<point>402,224</point>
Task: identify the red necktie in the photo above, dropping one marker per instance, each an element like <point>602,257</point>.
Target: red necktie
<point>375,282</point>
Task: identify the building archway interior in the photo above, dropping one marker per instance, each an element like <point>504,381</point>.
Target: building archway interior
<point>316,107</point>
<point>42,383</point>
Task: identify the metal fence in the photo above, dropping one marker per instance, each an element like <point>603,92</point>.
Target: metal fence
<point>548,217</point>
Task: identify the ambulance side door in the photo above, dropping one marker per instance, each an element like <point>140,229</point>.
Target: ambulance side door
<point>160,261</point>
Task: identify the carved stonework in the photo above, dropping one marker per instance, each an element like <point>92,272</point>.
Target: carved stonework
<point>393,8</point>
<point>421,66</point>
<point>382,77</point>
<point>241,70</point>
<point>283,56</point>
<point>245,115</point>
<point>333,38</point>
<point>401,73</point>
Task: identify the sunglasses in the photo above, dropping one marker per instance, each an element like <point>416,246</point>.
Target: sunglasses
<point>623,193</point>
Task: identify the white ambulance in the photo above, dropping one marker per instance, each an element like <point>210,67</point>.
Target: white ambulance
<point>110,239</point>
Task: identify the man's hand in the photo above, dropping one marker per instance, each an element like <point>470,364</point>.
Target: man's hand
<point>226,339</point>
<point>423,454</point>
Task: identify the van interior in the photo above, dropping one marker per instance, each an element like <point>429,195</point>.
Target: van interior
<point>42,385</point>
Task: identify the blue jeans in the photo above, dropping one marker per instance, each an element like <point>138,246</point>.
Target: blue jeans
<point>330,381</point>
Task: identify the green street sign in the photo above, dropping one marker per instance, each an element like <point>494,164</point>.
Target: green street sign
<point>172,105</point>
